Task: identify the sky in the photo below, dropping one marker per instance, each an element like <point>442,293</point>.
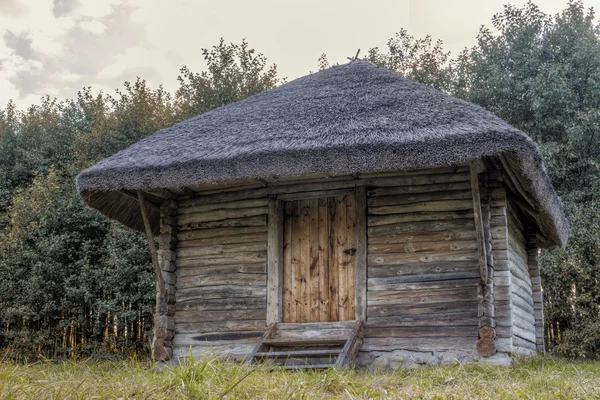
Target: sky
<point>56,47</point>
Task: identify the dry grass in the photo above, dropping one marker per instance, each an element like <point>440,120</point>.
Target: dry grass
<point>538,378</point>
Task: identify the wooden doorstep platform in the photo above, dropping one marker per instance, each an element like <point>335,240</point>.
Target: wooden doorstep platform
<point>309,346</point>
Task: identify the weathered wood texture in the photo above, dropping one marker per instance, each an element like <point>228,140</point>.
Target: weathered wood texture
<point>164,322</point>
<point>423,269</point>
<point>318,261</point>
<point>221,288</point>
<point>486,345</point>
<point>536,287</point>
<point>522,303</point>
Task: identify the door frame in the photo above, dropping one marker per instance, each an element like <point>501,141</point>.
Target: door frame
<point>275,250</point>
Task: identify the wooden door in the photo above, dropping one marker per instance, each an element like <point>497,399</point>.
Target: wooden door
<point>318,259</point>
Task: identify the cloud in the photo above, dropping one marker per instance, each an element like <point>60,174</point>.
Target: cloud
<point>21,44</point>
<point>62,46</point>
<point>61,8</point>
<point>93,26</point>
<point>12,8</point>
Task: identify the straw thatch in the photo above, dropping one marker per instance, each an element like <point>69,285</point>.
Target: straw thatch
<point>348,119</point>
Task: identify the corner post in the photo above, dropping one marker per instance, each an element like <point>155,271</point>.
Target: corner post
<point>486,345</point>
<point>163,261</point>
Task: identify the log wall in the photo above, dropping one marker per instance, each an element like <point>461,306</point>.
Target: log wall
<point>221,276</point>
<point>422,267</point>
<point>523,311</point>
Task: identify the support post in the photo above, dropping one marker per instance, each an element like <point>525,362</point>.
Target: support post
<point>163,261</point>
<point>486,345</point>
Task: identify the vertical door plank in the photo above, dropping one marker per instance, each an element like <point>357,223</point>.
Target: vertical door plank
<point>313,261</point>
<point>342,265</point>
<point>324,314</point>
<point>288,277</point>
<point>305,260</point>
<point>333,261</point>
<point>350,257</point>
<point>296,261</point>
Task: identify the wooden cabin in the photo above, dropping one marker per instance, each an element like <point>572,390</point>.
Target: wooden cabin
<point>351,216</point>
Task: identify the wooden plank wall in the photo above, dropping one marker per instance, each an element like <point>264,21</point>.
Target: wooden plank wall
<point>221,277</point>
<point>523,313</point>
<point>502,281</point>
<point>422,264</point>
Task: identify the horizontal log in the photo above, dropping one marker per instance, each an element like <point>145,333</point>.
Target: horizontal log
<point>421,297</point>
<point>403,190</point>
<point>217,338</point>
<point>225,240</point>
<point>439,284</point>
<point>219,292</point>
<point>421,310</point>
<point>220,215</point>
<point>221,326</point>
<point>442,205</point>
<point>422,331</point>
<point>228,232</point>
<point>428,320</point>
<point>411,247</point>
<point>448,235</point>
<point>234,352</point>
<point>233,258</point>
<point>191,316</point>
<point>259,268</point>
<point>228,303</point>
<point>432,256</point>
<point>189,340</point>
<point>523,334</point>
<point>250,190</point>
<point>216,250</point>
<point>259,220</point>
<point>378,220</point>
<point>439,277</point>
<point>202,208</point>
<point>421,227</point>
<point>419,343</point>
<point>419,268</point>
<point>418,198</point>
<point>221,279</point>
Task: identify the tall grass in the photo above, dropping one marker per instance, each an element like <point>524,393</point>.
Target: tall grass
<point>210,378</point>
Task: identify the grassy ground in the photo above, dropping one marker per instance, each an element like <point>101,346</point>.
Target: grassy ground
<point>538,378</point>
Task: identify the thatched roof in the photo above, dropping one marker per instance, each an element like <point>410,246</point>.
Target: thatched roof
<point>348,119</point>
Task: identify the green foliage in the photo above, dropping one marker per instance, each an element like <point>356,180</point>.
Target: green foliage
<point>417,59</point>
<point>234,72</point>
<point>74,283</point>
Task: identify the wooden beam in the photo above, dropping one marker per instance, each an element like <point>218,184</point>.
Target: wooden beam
<point>150,239</point>
<point>275,261</point>
<point>360,259</point>
<point>135,197</point>
<point>514,181</point>
<point>481,247</point>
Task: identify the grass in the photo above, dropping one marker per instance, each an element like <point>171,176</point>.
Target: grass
<point>537,378</point>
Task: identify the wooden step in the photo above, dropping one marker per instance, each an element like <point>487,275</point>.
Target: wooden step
<point>299,353</point>
<point>304,342</point>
